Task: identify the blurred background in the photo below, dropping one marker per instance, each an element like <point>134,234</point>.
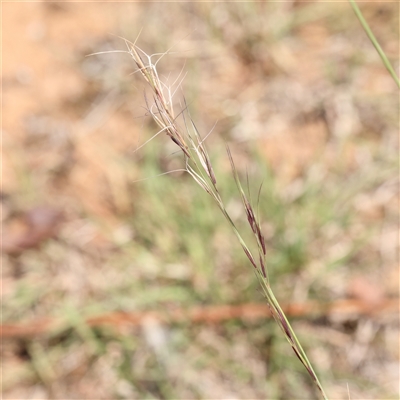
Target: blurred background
<point>115,288</point>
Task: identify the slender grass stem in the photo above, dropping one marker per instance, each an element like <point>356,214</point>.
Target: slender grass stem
<point>372,38</point>
<point>198,165</point>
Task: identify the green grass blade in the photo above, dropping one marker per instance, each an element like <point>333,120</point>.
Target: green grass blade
<point>372,38</point>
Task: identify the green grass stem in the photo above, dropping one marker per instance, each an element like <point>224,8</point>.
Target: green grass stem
<point>372,38</point>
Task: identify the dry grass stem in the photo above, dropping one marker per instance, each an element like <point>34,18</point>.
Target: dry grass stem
<point>199,166</point>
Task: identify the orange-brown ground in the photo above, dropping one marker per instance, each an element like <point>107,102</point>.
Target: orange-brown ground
<point>301,83</point>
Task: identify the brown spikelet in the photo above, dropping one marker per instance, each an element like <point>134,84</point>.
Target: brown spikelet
<point>199,166</point>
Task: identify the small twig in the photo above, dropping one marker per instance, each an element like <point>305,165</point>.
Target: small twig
<point>206,315</point>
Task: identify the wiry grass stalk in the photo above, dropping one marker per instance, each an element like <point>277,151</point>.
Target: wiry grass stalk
<point>375,42</point>
<point>198,165</point>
